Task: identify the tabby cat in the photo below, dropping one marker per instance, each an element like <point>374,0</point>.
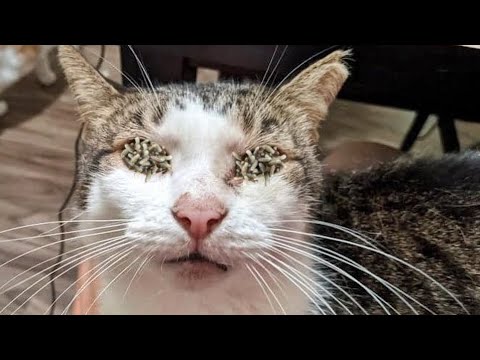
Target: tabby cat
<point>218,205</point>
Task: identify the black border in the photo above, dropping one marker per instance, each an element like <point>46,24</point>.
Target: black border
<point>243,23</point>
<point>313,331</point>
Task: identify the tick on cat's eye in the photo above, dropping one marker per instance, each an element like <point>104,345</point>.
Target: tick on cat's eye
<point>262,161</point>
<point>145,157</point>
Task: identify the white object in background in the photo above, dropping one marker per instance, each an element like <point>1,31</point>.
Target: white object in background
<point>3,107</point>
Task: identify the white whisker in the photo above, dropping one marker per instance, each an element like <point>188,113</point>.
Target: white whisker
<point>327,252</point>
<point>313,282</point>
<point>48,283</point>
<point>295,282</point>
<point>54,243</point>
<point>61,233</point>
<point>113,280</point>
<point>148,257</point>
<point>89,247</point>
<point>261,286</point>
<point>391,257</point>
<point>105,267</point>
<point>267,286</point>
<point>56,222</point>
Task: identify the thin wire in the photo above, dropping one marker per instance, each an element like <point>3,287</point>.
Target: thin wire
<point>62,225</point>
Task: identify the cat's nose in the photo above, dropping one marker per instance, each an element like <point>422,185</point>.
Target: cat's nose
<point>199,218</point>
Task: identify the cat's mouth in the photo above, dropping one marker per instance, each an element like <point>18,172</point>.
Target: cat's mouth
<point>197,258</point>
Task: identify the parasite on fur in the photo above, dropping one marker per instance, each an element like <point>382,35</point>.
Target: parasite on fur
<point>262,161</point>
<point>145,157</point>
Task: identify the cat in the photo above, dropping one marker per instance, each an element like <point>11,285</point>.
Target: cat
<point>14,59</point>
<point>210,231</point>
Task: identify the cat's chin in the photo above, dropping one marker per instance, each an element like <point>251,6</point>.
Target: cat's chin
<point>195,270</point>
<point>195,275</point>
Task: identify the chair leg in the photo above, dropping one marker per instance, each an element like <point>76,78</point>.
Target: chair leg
<point>414,131</point>
<point>448,133</point>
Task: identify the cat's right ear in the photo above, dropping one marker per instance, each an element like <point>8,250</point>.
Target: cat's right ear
<point>91,90</point>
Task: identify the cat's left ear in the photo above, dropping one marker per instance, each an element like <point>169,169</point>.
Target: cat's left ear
<point>91,90</point>
<point>315,88</point>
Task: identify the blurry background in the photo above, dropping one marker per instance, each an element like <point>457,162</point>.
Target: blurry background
<point>37,137</point>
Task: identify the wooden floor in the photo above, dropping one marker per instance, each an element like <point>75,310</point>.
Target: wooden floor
<point>36,167</point>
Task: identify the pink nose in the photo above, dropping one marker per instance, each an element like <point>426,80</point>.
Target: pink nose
<point>198,218</point>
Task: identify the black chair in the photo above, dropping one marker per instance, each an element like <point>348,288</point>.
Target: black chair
<point>443,80</point>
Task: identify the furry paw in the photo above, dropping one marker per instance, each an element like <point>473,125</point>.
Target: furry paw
<point>46,78</point>
<point>3,108</point>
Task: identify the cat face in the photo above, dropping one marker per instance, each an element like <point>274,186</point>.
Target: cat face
<point>201,216</point>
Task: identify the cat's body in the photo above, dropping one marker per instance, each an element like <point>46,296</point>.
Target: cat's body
<point>425,212</point>
<point>250,235</point>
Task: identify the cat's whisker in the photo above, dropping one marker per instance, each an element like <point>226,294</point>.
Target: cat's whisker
<point>97,268</point>
<point>114,279</point>
<point>57,242</point>
<point>372,293</point>
<point>262,287</point>
<point>330,253</point>
<point>261,87</point>
<point>269,65</point>
<point>124,74</point>
<point>136,86</point>
<point>301,280</point>
<point>308,279</point>
<point>88,246</point>
<point>106,266</point>
<point>275,279</point>
<point>76,282</point>
<point>148,257</point>
<point>389,256</point>
<point>85,274</point>
<point>75,264</point>
<point>367,240</point>
<point>43,235</point>
<point>297,284</point>
<point>266,284</point>
<point>64,222</point>
<point>377,298</point>
<point>264,86</point>
<point>276,66</point>
<point>146,76</point>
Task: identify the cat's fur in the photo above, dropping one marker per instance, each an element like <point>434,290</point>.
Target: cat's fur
<point>402,206</point>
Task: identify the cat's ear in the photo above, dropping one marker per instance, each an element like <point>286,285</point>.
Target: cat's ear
<point>91,90</point>
<point>316,87</point>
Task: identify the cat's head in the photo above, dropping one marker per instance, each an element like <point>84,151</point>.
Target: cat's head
<point>205,201</point>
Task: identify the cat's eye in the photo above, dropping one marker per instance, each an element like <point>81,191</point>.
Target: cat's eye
<point>146,157</point>
<point>263,161</point>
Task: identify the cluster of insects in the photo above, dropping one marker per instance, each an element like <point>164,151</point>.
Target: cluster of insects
<point>145,157</point>
<point>148,158</point>
<point>262,161</point>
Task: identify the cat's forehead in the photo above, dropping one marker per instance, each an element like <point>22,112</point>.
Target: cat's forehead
<point>229,113</point>
<point>189,121</point>
<point>219,97</point>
